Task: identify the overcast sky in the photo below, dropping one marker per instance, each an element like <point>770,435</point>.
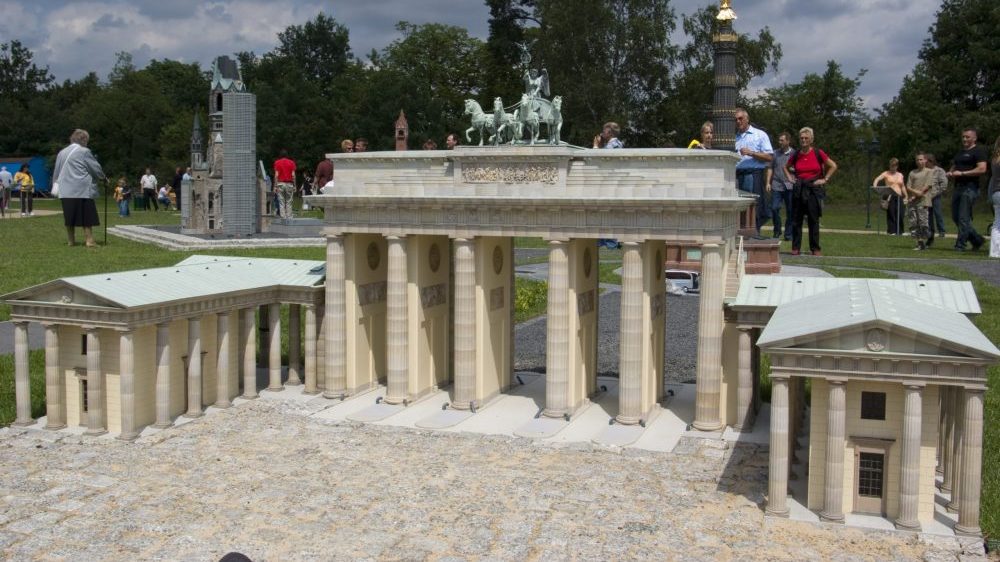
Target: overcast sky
<point>74,37</point>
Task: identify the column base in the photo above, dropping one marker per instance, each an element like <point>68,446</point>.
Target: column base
<point>331,394</point>
<point>95,432</point>
<point>945,488</point>
<point>939,470</point>
<point>128,438</point>
<point>23,423</point>
<point>460,405</point>
<point>223,405</point>
<point>555,413</point>
<point>310,392</point>
<point>831,518</point>
<point>968,531</point>
<point>55,427</point>
<point>194,415</point>
<point>952,507</point>
<point>292,382</point>
<point>907,526</point>
<point>708,426</point>
<point>249,396</point>
<point>275,388</point>
<point>776,513</point>
<point>162,425</point>
<point>627,420</point>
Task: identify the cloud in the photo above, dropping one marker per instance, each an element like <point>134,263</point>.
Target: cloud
<point>76,37</point>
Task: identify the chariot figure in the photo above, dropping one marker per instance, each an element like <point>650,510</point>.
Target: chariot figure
<point>536,84</point>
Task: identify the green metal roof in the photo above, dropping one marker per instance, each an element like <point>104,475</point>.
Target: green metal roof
<point>194,277</point>
<point>864,303</point>
<point>771,291</point>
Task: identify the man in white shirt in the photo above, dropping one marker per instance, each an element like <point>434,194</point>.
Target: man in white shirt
<point>148,184</point>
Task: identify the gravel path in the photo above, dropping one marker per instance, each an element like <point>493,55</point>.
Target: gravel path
<point>265,479</point>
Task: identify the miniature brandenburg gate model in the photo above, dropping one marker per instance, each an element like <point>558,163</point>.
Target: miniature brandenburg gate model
<point>416,299</point>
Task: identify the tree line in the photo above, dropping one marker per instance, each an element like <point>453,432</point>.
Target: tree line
<point>611,60</point>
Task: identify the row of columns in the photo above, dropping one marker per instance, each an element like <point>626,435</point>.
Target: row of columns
<point>964,427</point>
<point>96,420</point>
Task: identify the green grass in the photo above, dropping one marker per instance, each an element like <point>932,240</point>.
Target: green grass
<point>882,246</point>
<point>846,216</point>
<point>36,368</point>
<point>858,273</point>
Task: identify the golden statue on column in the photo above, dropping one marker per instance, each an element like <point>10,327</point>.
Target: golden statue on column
<point>726,13</point>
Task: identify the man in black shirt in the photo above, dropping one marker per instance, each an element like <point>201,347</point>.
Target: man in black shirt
<point>968,166</point>
<point>176,185</point>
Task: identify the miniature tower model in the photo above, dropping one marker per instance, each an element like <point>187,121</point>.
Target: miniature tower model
<point>197,151</point>
<point>239,214</point>
<point>724,102</point>
<point>402,131</point>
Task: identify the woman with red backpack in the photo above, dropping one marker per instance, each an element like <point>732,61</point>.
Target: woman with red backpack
<point>812,169</point>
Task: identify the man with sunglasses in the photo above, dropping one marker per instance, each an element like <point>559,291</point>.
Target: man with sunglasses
<point>754,147</point>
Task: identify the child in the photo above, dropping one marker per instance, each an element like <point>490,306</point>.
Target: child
<point>122,195</point>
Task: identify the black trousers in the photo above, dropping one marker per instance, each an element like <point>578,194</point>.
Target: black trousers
<point>894,223</point>
<point>808,208</point>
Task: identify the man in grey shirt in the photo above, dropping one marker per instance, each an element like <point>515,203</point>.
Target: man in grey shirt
<point>77,171</point>
<point>780,186</point>
<point>5,182</point>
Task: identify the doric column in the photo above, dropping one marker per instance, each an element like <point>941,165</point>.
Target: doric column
<point>223,375</point>
<point>777,482</point>
<point>557,332</point>
<point>335,369</point>
<point>163,376</point>
<point>710,319</point>
<point>947,443</point>
<point>55,387</point>
<point>250,353</point>
<point>465,323</point>
<point>294,345</point>
<point>958,411</point>
<point>126,383</point>
<point>310,345</point>
<point>833,479</point>
<point>194,369</point>
<point>942,430</point>
<point>972,464</point>
<point>95,385</point>
<point>744,373</point>
<point>397,356</point>
<point>630,336</point>
<point>274,347</point>
<point>909,483</point>
<point>22,375</point>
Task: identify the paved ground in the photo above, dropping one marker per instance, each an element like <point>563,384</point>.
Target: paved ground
<point>275,484</point>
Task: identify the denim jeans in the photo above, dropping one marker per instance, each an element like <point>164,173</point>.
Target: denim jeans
<point>779,199</point>
<point>752,181</point>
<point>995,199</point>
<point>962,201</point>
<point>936,219</point>
<point>123,208</point>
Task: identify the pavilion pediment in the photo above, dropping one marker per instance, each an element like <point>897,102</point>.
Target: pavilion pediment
<point>60,292</point>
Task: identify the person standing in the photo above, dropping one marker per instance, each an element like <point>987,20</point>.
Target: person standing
<point>25,182</point>
<point>148,185</point>
<point>77,170</point>
<point>812,169</point>
<point>939,186</point>
<point>122,194</point>
<point>323,174</point>
<point>451,141</point>
<point>704,140</point>
<point>347,145</point>
<point>6,181</point>
<point>968,166</point>
<point>284,183</point>
<point>361,145</point>
<point>918,201</point>
<point>176,185</point>
<point>994,192</point>
<point>608,138</point>
<point>754,148</point>
<point>780,186</point>
<point>894,204</point>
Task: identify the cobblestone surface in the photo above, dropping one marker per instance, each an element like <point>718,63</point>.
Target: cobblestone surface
<point>266,480</point>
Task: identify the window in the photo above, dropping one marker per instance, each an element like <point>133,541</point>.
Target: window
<point>873,405</point>
<point>83,344</point>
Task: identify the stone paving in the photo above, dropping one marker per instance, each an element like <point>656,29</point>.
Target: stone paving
<point>266,479</point>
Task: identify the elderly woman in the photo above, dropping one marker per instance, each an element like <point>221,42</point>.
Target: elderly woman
<point>705,138</point>
<point>77,171</point>
<point>811,169</point>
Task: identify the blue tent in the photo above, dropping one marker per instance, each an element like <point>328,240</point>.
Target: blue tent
<point>37,165</point>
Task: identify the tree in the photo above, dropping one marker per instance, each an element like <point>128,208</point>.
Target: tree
<point>507,33</point>
<point>20,77</point>
<point>610,60</point>
<point>320,48</point>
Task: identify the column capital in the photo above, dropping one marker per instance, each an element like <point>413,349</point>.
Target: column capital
<point>973,390</point>
<point>915,385</point>
<point>463,238</point>
<point>395,237</point>
<point>556,240</point>
<point>334,236</point>
<point>49,325</point>
<point>834,380</point>
<point>631,243</point>
<point>780,377</point>
<point>21,323</point>
<point>222,313</point>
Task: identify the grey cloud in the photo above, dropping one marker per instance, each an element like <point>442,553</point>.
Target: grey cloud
<point>167,9</point>
<point>108,21</point>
